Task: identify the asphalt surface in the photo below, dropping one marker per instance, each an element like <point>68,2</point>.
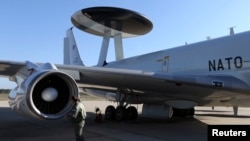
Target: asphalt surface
<point>14,127</point>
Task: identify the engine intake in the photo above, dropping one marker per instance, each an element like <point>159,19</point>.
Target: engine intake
<point>45,94</point>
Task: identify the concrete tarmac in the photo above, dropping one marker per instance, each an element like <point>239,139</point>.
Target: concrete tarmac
<point>14,127</point>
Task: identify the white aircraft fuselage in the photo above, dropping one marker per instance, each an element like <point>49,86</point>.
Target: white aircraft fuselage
<point>169,82</point>
<point>227,56</point>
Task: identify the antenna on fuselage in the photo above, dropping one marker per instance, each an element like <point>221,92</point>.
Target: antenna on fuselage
<point>111,22</point>
<point>232,30</point>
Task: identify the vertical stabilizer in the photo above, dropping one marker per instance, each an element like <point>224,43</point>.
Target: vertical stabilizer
<point>71,53</point>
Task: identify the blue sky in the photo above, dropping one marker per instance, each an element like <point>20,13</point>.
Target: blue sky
<point>34,30</point>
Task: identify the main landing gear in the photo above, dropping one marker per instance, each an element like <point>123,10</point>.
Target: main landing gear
<point>121,113</point>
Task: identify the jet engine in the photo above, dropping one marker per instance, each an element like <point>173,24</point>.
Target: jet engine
<point>44,94</point>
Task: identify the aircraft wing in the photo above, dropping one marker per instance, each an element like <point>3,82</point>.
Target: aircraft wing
<point>156,81</point>
<point>10,68</point>
<point>150,81</point>
<point>135,79</point>
<point>39,84</point>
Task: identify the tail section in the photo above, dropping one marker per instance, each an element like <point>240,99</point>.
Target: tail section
<point>71,53</point>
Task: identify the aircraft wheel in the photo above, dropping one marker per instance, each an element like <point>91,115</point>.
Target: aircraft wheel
<point>120,113</point>
<point>131,113</point>
<point>110,113</point>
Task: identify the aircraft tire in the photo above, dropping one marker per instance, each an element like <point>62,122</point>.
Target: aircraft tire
<point>131,113</point>
<point>110,113</point>
<point>120,113</point>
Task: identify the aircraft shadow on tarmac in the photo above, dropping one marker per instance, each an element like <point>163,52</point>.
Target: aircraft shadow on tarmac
<point>176,128</point>
<point>13,127</point>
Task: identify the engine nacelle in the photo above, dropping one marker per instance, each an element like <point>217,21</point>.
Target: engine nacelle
<point>45,94</point>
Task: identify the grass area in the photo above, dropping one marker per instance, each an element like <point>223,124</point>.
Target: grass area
<point>3,96</point>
